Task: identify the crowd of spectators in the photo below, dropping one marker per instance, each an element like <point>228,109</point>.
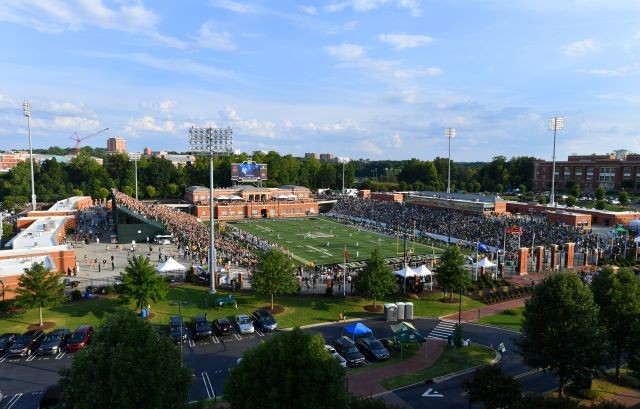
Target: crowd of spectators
<point>192,236</point>
<point>392,217</point>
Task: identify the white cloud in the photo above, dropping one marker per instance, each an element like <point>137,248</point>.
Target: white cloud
<point>162,106</point>
<point>234,6</point>
<point>345,52</point>
<point>337,127</point>
<point>208,38</point>
<point>396,141</point>
<point>56,16</point>
<point>401,41</point>
<point>182,66</point>
<point>74,123</point>
<point>148,123</point>
<point>367,5</point>
<point>611,72</point>
<point>369,147</point>
<point>582,47</point>
<point>406,74</point>
<point>311,10</point>
<point>343,28</point>
<point>253,127</point>
<point>64,108</point>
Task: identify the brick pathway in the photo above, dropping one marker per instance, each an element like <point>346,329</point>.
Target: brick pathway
<point>366,383</point>
<point>472,315</point>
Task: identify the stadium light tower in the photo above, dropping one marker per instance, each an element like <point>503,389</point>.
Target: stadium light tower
<point>211,141</point>
<point>343,160</point>
<point>26,108</point>
<point>135,157</point>
<point>450,133</point>
<point>555,124</point>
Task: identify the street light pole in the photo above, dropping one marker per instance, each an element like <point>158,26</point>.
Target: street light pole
<point>26,108</point>
<point>211,141</point>
<point>134,156</point>
<point>344,161</point>
<point>450,133</point>
<point>555,124</point>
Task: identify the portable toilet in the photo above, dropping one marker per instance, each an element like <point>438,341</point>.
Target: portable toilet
<point>390,312</point>
<point>408,311</point>
<point>400,310</point>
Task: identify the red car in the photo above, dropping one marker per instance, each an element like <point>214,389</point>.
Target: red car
<point>80,338</point>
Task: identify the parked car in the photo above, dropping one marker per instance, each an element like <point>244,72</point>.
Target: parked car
<point>264,320</point>
<point>332,351</point>
<point>80,338</point>
<point>55,341</point>
<point>347,349</point>
<point>177,331</point>
<point>200,327</point>
<point>27,343</point>
<point>222,326</point>
<point>244,324</point>
<point>372,349</point>
<point>6,340</point>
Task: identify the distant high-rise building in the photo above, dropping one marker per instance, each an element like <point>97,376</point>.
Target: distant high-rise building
<point>148,151</point>
<point>311,155</point>
<point>116,145</point>
<point>326,156</point>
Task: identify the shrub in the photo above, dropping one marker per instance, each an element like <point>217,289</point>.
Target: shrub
<point>76,295</point>
<point>5,305</point>
<point>109,290</point>
<point>510,312</point>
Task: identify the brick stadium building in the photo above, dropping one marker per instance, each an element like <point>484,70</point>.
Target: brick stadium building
<point>250,202</point>
<point>41,240</point>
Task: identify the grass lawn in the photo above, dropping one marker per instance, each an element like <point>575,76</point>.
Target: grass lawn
<point>451,360</point>
<point>299,310</point>
<point>307,239</point>
<point>608,388</point>
<point>510,319</point>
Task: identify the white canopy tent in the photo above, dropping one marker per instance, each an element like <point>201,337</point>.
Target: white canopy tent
<point>222,198</point>
<point>281,197</point>
<point>170,265</point>
<point>424,271</point>
<point>484,263</point>
<point>235,197</point>
<point>406,272</point>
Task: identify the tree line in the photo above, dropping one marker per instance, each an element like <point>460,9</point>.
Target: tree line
<point>159,178</point>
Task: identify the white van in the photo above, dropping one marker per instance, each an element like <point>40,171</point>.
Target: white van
<point>160,239</point>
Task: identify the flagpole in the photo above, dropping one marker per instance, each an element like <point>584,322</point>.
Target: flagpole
<point>475,266</point>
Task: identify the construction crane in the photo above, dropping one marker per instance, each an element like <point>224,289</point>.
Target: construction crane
<point>78,139</point>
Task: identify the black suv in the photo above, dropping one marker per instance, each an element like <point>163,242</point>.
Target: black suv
<point>347,349</point>
<point>55,341</point>
<point>372,349</point>
<point>200,327</point>
<point>264,320</point>
<point>222,326</point>
<point>177,330</point>
<point>27,343</point>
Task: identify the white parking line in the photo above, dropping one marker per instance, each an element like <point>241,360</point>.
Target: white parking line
<point>61,353</point>
<point>32,357</point>
<point>238,336</point>
<point>4,358</point>
<point>208,386</point>
<point>13,400</point>
<point>191,343</point>
<point>215,339</point>
<point>261,334</point>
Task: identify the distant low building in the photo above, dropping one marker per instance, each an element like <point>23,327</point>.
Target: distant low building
<point>116,145</point>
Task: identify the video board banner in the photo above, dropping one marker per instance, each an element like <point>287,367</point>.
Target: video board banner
<point>248,172</point>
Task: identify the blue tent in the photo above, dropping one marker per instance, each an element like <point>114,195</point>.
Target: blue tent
<point>357,330</point>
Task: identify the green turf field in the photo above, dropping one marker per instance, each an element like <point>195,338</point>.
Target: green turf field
<point>307,239</point>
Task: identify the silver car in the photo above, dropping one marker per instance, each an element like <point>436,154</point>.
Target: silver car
<point>332,351</point>
<point>244,324</point>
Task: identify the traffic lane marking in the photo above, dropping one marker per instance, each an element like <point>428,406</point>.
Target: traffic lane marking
<point>431,393</point>
<point>12,401</point>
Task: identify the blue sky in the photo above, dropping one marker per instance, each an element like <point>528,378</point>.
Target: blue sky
<point>377,79</point>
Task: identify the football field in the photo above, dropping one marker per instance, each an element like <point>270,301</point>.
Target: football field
<point>322,240</point>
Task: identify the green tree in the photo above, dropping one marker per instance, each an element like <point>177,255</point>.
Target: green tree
<point>575,190</point>
<point>543,200</point>
<point>493,388</point>
<point>141,284</point>
<point>560,330</point>
<point>128,190</point>
<point>274,274</point>
<point>289,370</point>
<point>623,197</point>
<point>450,273</point>
<point>376,279</point>
<point>39,287</point>
<point>570,201</point>
<point>601,204</point>
<point>618,296</point>
<point>103,192</point>
<point>150,191</point>
<point>499,187</point>
<point>600,193</point>
<point>126,365</point>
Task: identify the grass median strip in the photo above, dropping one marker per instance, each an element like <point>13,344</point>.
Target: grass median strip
<point>452,360</point>
<point>510,319</point>
<point>409,350</point>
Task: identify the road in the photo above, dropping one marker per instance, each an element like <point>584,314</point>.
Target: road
<point>23,380</point>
